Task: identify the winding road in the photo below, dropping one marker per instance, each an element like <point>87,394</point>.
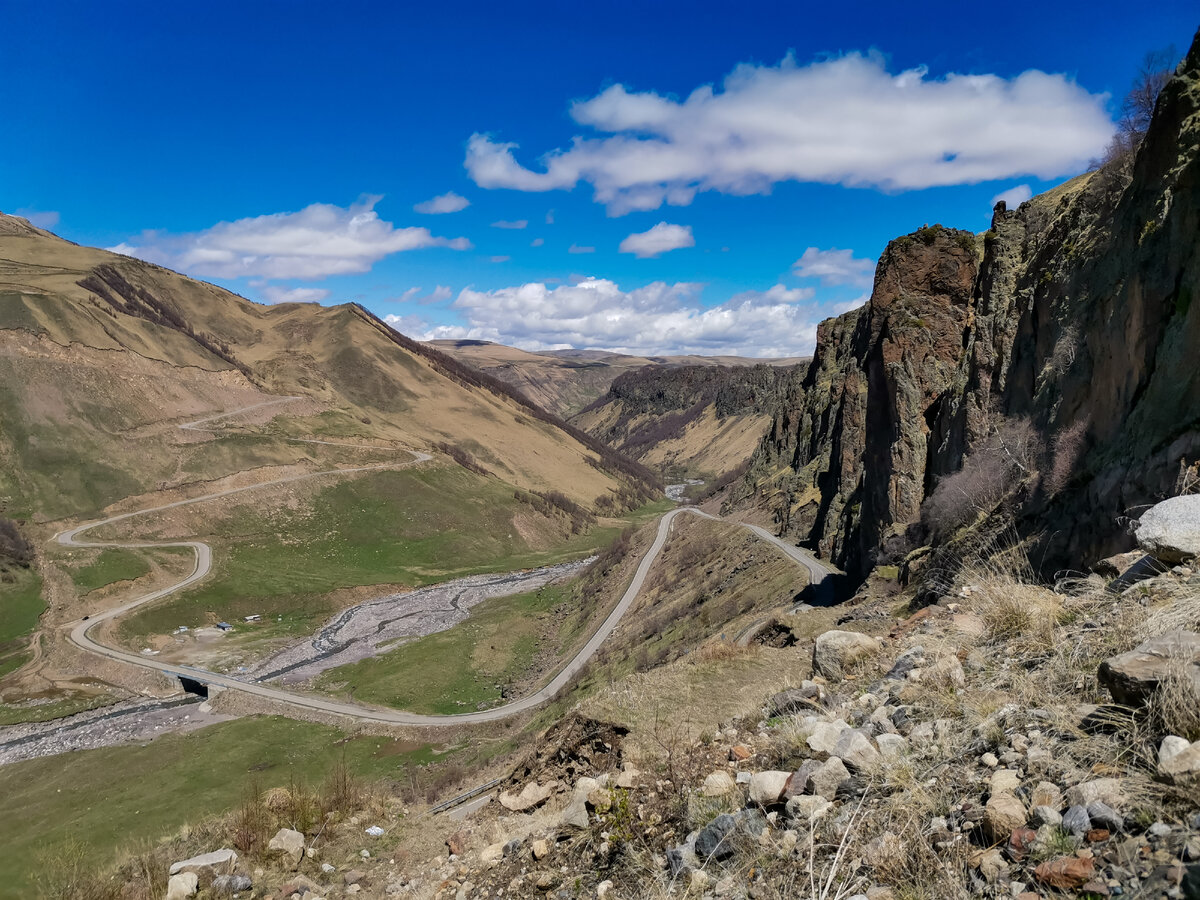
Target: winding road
<point>80,631</point>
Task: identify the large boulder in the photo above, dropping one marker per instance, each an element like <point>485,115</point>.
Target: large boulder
<point>1170,531</point>
<point>288,843</point>
<point>532,795</point>
<point>208,865</point>
<point>836,651</point>
<point>1133,677</point>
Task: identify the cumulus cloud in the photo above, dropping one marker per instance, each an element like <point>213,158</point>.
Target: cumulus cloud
<point>834,267</point>
<point>537,242</point>
<point>518,224</point>
<point>845,120</point>
<point>657,318</point>
<point>1014,196</point>
<point>273,293</point>
<point>317,241</point>
<point>501,259</point>
<point>448,202</point>
<point>575,248</point>
<point>658,240</point>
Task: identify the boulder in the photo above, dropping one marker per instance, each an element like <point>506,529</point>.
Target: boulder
<point>826,780</point>
<point>576,814</point>
<point>808,809</point>
<point>1004,781</point>
<point>713,841</point>
<point>492,854</point>
<point>1132,677</point>
<point>794,700</point>
<point>891,746</point>
<point>228,885</point>
<point>823,736</point>
<point>288,843</point>
<point>1178,760</point>
<point>718,784</point>
<point>1046,794</point>
<point>766,788</point>
<point>628,777</point>
<point>1104,790</point>
<point>182,886</point>
<point>1170,531</point>
<point>1077,821</point>
<point>856,750</point>
<point>531,796</point>
<point>1003,813</point>
<point>800,781</point>
<point>457,843</point>
<point>836,651</point>
<point>1066,872</point>
<point>540,848</point>
<point>218,862</point>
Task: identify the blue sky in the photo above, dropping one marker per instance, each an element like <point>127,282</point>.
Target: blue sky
<point>667,177</point>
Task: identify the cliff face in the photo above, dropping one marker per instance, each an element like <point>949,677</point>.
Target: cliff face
<point>1077,316</point>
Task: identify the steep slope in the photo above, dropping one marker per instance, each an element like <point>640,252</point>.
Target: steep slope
<point>98,348</point>
<point>687,421</point>
<point>1074,337</point>
<point>565,381</point>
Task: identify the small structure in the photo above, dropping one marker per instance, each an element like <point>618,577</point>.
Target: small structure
<point>253,618</point>
<point>224,626</point>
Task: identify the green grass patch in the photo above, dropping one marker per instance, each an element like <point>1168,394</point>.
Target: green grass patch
<point>462,668</point>
<point>409,527</point>
<point>110,566</point>
<point>118,798</point>
<point>68,705</point>
<point>20,605</point>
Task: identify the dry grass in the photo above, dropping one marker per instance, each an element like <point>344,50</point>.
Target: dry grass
<point>1175,706</point>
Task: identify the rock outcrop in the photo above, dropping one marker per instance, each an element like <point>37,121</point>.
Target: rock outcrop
<point>1074,313</point>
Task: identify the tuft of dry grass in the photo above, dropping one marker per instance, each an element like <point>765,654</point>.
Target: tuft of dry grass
<point>1175,706</point>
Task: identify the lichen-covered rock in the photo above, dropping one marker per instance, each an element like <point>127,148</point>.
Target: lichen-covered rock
<point>289,843</point>
<point>1179,760</point>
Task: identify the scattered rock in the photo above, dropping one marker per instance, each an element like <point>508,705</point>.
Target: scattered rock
<point>713,840</point>
<point>1104,816</point>
<point>1132,677</point>
<point>823,736</point>
<point>836,651</point>
<point>1003,813</point>
<point>807,809</point>
<point>1047,794</point>
<point>1004,781</point>
<point>288,843</point>
<point>794,700</point>
<point>457,843</point>
<point>740,753</point>
<point>1066,872</point>
<point>766,788</point>
<point>540,849</point>
<point>826,780</point>
<point>891,746</point>
<point>218,862</point>
<point>718,784</point>
<point>1178,760</point>
<point>228,885</point>
<point>628,777</point>
<point>1170,531</point>
<point>1105,790</point>
<point>856,750</point>
<point>1077,821</point>
<point>1046,815</point>
<point>531,796</point>
<point>182,886</point>
<point>492,854</point>
<point>354,876</point>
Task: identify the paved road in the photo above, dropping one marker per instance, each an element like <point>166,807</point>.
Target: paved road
<point>80,630</point>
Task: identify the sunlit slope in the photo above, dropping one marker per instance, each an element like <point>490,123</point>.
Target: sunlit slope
<point>102,356</point>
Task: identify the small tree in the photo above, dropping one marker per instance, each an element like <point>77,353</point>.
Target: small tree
<point>1137,109</point>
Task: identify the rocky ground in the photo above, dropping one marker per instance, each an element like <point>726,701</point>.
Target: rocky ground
<point>1010,741</point>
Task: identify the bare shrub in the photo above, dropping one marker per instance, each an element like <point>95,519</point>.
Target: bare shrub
<point>1137,109</point>
<point>1069,446</point>
<point>994,467</point>
<point>250,829</point>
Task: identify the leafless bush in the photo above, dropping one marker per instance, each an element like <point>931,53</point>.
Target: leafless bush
<point>1137,109</point>
<point>989,473</point>
<point>1069,445</point>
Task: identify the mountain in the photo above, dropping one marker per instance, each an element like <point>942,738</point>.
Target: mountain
<point>1044,370</point>
<point>565,381</point>
<point>100,352</point>
<point>687,421</point>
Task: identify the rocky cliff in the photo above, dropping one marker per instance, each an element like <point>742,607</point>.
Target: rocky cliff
<point>1073,314</point>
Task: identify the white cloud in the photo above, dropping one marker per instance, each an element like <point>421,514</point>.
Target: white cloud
<point>537,242</point>
<point>1014,196</point>
<point>575,248</point>
<point>658,240</point>
<point>518,224</point>
<point>273,293</point>
<point>448,202</point>
<point>500,259</point>
<point>413,294</point>
<point>845,120</point>
<point>657,318</point>
<point>549,217</point>
<point>834,267</point>
<point>317,241</point>
<point>39,218</point>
